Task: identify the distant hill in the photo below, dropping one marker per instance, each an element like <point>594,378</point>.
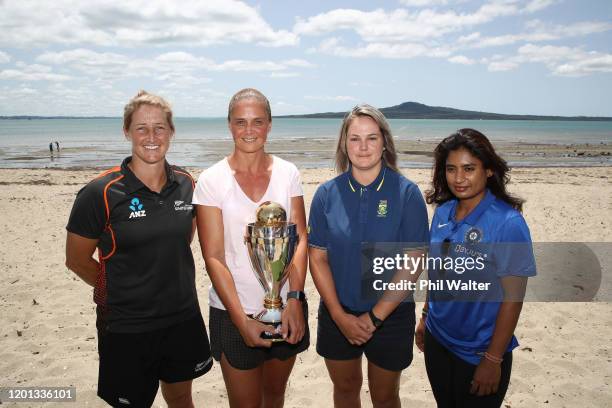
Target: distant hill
<point>415,110</point>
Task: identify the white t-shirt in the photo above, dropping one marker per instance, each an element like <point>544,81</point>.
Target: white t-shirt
<point>217,187</point>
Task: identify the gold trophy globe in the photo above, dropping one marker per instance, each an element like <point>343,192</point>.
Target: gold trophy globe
<point>271,241</point>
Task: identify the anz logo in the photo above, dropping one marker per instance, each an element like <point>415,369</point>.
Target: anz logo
<point>137,208</point>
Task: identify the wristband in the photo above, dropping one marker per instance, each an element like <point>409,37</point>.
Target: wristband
<point>492,358</point>
<point>296,294</point>
<point>375,320</point>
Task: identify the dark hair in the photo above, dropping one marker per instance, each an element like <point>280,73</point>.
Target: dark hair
<point>479,146</point>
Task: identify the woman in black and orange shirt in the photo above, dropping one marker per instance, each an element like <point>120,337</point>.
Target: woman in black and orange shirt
<point>139,218</point>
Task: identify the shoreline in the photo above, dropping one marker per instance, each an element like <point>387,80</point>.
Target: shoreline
<point>310,154</point>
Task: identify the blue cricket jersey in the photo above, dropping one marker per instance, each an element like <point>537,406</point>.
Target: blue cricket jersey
<point>344,213</point>
<point>466,327</point>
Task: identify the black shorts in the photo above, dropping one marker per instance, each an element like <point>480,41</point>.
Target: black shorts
<point>451,378</point>
<point>131,364</point>
<point>226,339</point>
<point>390,346</point>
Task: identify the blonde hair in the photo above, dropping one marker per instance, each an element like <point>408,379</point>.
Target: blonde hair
<point>389,156</point>
<point>249,93</point>
<point>145,98</point>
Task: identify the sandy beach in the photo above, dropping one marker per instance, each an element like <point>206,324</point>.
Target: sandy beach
<point>47,316</point>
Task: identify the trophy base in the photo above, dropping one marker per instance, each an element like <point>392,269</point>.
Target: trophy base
<point>271,317</point>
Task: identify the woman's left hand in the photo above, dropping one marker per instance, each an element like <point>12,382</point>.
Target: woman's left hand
<point>293,324</point>
<point>486,378</point>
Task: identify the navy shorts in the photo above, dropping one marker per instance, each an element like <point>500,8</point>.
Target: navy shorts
<point>132,364</point>
<point>390,347</point>
<point>226,339</point>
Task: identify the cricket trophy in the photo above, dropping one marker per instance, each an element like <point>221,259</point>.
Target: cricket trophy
<point>271,242</point>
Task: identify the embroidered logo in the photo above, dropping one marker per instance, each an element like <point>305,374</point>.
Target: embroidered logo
<point>382,208</point>
<point>124,401</point>
<point>181,206</point>
<point>137,208</point>
<point>473,235</point>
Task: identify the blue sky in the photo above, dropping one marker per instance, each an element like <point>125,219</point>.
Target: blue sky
<point>70,57</point>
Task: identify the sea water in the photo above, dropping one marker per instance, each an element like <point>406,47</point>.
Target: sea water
<point>100,142</point>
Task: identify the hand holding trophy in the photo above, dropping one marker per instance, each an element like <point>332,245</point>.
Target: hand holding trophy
<point>271,241</point>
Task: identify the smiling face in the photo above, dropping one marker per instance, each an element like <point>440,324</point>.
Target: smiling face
<point>150,134</point>
<point>364,144</point>
<point>249,125</point>
<point>466,176</point>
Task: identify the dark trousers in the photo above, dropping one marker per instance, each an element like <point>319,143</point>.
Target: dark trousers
<point>450,378</point>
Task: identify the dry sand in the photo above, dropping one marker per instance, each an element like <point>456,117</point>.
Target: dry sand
<point>47,317</point>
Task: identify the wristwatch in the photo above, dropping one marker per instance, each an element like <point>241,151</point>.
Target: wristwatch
<point>296,294</point>
<point>375,320</point>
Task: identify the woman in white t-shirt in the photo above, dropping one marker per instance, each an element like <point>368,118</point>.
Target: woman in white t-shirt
<point>227,195</point>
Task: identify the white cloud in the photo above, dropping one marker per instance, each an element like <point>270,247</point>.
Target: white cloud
<point>133,23</point>
<point>402,25</point>
<point>4,57</point>
<point>497,66</point>
<point>83,57</point>
<point>461,59</point>
<point>284,74</point>
<point>561,61</point>
<point>334,46</point>
<point>537,5</point>
<point>404,33</point>
<point>538,32</point>
<point>423,3</point>
<point>115,66</point>
<point>249,65</point>
<point>300,63</point>
<point>33,72</point>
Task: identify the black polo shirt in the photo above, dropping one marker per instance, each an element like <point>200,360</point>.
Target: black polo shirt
<point>147,274</point>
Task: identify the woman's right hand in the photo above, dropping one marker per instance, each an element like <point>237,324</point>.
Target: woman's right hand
<point>419,334</point>
<point>355,330</point>
<point>251,331</point>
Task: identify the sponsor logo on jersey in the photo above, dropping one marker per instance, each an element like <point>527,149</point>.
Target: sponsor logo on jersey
<point>137,208</point>
<point>382,208</point>
<point>181,206</point>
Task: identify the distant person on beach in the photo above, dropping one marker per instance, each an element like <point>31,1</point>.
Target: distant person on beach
<point>140,219</point>
<point>51,147</point>
<point>468,341</point>
<point>57,146</point>
<point>370,201</point>
<point>227,196</point>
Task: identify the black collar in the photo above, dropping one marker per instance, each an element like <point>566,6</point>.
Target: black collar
<point>133,183</point>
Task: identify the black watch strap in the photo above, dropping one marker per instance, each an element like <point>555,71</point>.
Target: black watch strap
<point>375,320</point>
<point>296,294</point>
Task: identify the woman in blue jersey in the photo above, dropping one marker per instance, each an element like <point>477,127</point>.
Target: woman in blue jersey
<point>371,202</point>
<point>467,334</point>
